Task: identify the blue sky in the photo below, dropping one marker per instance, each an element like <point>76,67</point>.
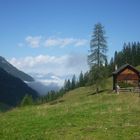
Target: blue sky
<point>35,34</point>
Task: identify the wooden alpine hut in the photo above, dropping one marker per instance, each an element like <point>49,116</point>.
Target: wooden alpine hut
<point>126,75</point>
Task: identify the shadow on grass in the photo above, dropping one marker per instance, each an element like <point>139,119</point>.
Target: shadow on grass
<point>101,91</point>
<point>56,102</point>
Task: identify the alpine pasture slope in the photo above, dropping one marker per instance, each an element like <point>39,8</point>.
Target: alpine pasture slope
<point>78,115</point>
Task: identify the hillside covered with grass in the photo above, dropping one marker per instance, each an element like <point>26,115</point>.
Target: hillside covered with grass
<point>78,115</point>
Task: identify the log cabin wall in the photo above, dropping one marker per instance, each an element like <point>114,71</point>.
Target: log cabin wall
<point>126,74</point>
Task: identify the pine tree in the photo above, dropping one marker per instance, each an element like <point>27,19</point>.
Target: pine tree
<point>86,78</point>
<point>137,57</point>
<point>111,66</point>
<point>81,79</point>
<point>73,83</point>
<point>98,47</point>
<point>67,85</point>
<point>134,53</point>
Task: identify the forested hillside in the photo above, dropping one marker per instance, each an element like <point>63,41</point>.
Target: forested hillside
<point>129,54</point>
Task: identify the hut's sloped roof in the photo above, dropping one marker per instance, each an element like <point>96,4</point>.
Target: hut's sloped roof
<point>125,66</point>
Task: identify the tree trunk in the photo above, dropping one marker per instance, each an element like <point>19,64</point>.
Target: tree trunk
<point>97,90</point>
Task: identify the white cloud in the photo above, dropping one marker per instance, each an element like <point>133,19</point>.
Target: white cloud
<point>59,65</point>
<point>81,42</point>
<point>38,41</point>
<point>33,42</point>
<point>31,62</point>
<point>63,42</point>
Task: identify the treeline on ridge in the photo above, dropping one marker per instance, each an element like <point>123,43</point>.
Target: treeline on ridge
<point>129,54</point>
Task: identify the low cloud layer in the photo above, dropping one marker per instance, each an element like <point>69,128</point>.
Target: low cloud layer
<point>59,65</point>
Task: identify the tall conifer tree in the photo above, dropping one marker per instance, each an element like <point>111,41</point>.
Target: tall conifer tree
<point>98,46</point>
<point>97,57</point>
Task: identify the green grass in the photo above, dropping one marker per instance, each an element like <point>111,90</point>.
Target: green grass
<point>79,115</point>
<point>138,67</point>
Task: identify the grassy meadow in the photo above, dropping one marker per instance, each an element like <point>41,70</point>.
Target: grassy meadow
<point>78,115</point>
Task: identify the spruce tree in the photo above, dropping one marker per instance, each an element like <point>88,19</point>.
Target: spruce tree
<point>81,79</point>
<point>73,83</point>
<point>86,78</point>
<point>67,85</point>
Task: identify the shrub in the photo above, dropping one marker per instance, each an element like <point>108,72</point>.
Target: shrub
<point>27,100</point>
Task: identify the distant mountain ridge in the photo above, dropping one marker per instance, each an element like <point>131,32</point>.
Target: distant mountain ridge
<point>13,89</point>
<point>42,88</point>
<point>4,64</point>
<point>47,82</point>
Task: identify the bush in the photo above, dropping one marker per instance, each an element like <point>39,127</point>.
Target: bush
<point>125,85</point>
<point>27,100</point>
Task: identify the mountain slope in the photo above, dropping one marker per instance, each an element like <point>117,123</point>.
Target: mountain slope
<point>14,71</point>
<point>79,115</point>
<point>13,89</point>
<point>4,107</point>
<point>41,88</point>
